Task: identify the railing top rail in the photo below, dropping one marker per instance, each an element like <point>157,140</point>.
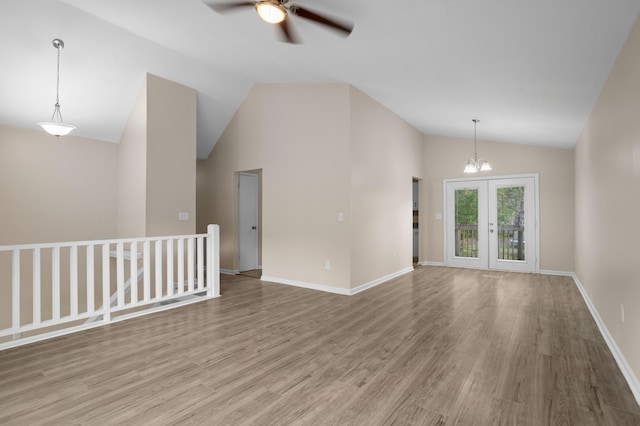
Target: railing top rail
<point>97,242</point>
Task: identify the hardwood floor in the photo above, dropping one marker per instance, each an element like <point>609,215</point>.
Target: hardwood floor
<point>439,346</point>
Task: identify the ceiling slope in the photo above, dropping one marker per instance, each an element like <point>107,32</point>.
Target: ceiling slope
<point>530,71</point>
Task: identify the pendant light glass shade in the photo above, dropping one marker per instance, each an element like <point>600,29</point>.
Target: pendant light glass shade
<point>56,126</point>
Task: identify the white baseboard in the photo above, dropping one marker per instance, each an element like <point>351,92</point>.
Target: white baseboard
<point>337,290</point>
<point>310,286</point>
<point>233,271</point>
<point>558,273</point>
<point>628,373</point>
<point>379,281</point>
<point>429,263</point>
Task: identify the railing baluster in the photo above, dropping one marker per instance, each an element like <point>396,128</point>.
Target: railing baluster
<point>200,276</point>
<point>37,283</point>
<point>120,273</point>
<point>180,260</point>
<point>158,268</point>
<point>90,279</point>
<point>15,292</point>
<point>106,284</point>
<point>191,267</point>
<point>55,283</point>
<point>146,263</point>
<point>73,280</point>
<point>133,272</point>
<point>170,267</point>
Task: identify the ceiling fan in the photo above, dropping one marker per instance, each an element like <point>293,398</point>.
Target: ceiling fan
<point>278,11</point>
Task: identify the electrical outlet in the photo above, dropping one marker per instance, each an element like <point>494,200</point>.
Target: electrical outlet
<point>327,264</point>
<point>622,312</point>
<point>340,217</point>
<point>183,216</point>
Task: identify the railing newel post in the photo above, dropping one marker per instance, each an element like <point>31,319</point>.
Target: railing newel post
<point>213,260</point>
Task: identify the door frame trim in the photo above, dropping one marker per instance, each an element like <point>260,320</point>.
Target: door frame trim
<point>536,196</point>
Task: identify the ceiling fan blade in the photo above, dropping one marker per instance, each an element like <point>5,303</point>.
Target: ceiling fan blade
<point>343,27</point>
<point>230,6</point>
<point>287,33</point>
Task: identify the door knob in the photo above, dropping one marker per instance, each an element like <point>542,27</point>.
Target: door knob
<point>254,227</point>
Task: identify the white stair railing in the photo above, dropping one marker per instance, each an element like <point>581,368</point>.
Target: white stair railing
<point>48,290</point>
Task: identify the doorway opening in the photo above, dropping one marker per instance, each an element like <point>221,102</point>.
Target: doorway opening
<point>416,220</point>
<point>250,223</point>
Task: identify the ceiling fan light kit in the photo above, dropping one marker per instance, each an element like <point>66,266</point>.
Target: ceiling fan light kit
<point>475,164</point>
<point>56,126</point>
<point>271,12</point>
<point>277,12</point>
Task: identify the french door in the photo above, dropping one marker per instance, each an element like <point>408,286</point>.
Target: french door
<point>492,223</point>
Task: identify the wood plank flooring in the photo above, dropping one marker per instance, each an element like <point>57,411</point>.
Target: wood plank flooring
<point>439,346</point>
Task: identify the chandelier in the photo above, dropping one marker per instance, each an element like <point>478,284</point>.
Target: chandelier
<point>475,165</point>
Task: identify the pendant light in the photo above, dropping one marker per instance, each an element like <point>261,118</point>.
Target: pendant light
<point>56,127</point>
<point>476,165</point>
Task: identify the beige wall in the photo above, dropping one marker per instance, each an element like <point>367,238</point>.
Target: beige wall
<point>304,138</point>
<point>607,175</point>
<point>156,162</point>
<point>171,157</point>
<point>298,136</point>
<point>55,189</point>
<point>386,155</point>
<point>445,159</point>
<point>132,170</point>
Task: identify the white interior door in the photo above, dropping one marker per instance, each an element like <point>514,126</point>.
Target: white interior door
<point>247,222</point>
<point>492,223</point>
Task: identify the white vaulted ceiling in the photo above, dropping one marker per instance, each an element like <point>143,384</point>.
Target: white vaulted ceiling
<point>530,71</point>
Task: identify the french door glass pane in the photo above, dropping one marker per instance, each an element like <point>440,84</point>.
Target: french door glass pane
<point>466,221</point>
<point>511,223</point>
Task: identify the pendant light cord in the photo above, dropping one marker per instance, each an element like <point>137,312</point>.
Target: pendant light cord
<point>58,78</point>
<point>57,115</point>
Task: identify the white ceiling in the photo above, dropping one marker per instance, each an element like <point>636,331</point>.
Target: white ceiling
<point>529,70</point>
